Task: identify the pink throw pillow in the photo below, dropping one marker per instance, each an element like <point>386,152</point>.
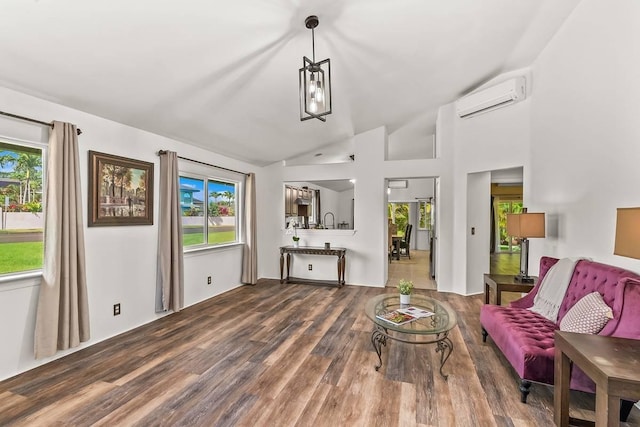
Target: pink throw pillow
<point>587,316</point>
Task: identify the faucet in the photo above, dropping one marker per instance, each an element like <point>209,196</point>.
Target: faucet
<point>333,220</point>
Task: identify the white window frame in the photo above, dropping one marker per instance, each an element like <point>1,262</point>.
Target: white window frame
<point>43,147</point>
<point>238,208</point>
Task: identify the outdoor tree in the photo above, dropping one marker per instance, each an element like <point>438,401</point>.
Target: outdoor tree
<point>26,168</point>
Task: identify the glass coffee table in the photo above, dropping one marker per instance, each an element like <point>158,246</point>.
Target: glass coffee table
<point>433,329</point>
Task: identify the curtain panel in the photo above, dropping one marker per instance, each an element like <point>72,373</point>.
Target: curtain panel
<point>62,316</point>
<point>249,251</point>
<point>170,270</point>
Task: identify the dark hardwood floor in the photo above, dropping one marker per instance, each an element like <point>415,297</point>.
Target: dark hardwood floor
<point>280,355</point>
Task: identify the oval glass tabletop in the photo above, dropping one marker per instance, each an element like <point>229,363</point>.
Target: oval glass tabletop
<point>442,320</point>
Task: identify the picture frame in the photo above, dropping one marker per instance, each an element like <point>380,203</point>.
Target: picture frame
<point>120,191</point>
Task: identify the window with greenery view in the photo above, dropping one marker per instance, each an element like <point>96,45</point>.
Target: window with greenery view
<point>424,223</point>
<point>209,208</point>
<point>21,214</point>
<point>399,214</point>
<point>508,243</point>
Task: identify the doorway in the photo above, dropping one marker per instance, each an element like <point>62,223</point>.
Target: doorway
<point>506,198</point>
<point>413,204</point>
<point>506,243</point>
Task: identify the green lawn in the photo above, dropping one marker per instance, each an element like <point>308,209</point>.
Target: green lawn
<point>20,256</point>
<point>24,256</point>
<point>214,237</point>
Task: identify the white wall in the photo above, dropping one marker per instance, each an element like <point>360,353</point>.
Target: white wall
<point>367,249</point>
<point>121,261</point>
<point>478,230</point>
<point>576,137</point>
<point>495,140</point>
<point>585,133</point>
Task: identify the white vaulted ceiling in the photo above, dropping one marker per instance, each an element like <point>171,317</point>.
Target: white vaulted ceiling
<point>223,75</point>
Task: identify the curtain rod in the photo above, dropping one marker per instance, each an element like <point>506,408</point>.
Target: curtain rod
<point>28,119</point>
<point>161,152</point>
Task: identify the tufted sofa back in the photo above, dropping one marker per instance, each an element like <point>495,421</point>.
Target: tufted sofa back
<point>590,276</point>
<point>619,288</point>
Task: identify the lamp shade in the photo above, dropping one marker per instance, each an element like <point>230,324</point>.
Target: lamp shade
<point>526,225</point>
<point>628,233</point>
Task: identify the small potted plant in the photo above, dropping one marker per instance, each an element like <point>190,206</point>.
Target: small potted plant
<point>406,288</point>
<point>293,229</point>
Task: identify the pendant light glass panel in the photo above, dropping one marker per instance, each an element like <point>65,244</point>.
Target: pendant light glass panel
<point>315,89</point>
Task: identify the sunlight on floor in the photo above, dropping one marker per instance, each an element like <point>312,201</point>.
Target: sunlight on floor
<point>415,269</point>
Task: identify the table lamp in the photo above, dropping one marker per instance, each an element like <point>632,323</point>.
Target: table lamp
<point>628,233</point>
<point>524,226</point>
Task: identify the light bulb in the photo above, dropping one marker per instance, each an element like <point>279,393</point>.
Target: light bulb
<point>312,85</point>
<point>319,92</point>
<point>313,106</point>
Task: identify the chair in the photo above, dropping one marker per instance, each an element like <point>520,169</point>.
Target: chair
<point>406,242</point>
<point>393,229</point>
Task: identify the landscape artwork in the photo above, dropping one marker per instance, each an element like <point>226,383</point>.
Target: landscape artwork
<point>120,191</point>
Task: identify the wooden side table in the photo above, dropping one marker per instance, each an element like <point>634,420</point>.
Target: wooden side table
<point>612,363</point>
<point>504,283</point>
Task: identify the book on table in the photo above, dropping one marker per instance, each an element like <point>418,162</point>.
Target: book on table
<point>401,316</point>
<point>416,312</point>
<point>396,317</point>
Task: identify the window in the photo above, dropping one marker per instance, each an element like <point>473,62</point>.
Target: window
<point>399,214</point>
<point>209,211</point>
<point>424,210</point>
<point>507,243</point>
<point>21,213</point>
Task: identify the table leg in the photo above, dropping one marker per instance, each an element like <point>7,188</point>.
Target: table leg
<point>378,339</point>
<point>562,376</point>
<point>607,408</point>
<point>445,348</point>
<point>339,265</point>
<point>281,267</point>
<point>486,293</point>
<point>498,294</point>
<point>343,262</point>
<point>288,263</point>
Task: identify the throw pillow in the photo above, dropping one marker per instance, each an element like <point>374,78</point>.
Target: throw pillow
<point>587,316</point>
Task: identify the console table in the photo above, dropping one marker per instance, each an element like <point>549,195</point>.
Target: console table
<point>612,363</point>
<point>312,250</point>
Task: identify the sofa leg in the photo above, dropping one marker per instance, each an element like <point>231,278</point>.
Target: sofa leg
<point>484,335</point>
<point>524,390</point>
<point>625,409</point>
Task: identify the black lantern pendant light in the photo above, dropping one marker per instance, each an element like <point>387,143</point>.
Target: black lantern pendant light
<point>315,82</point>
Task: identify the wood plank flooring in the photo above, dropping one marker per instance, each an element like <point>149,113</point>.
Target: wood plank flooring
<point>280,355</point>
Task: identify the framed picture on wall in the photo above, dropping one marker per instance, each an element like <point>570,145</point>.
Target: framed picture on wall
<point>120,191</point>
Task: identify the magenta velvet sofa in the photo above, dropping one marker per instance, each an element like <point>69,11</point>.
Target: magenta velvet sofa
<point>526,338</point>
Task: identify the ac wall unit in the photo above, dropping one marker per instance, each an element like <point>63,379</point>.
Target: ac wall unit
<point>492,98</point>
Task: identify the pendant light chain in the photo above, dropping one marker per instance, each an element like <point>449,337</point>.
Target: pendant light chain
<point>313,45</point>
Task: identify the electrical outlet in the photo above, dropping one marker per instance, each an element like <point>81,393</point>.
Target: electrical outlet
<point>310,267</point>
<point>208,280</point>
<point>116,309</point>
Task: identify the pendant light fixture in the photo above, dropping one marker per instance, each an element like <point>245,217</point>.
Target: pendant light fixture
<point>315,81</point>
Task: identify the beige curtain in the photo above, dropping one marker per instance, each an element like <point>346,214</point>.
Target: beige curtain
<point>250,253</point>
<point>170,272</point>
<point>62,317</point>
